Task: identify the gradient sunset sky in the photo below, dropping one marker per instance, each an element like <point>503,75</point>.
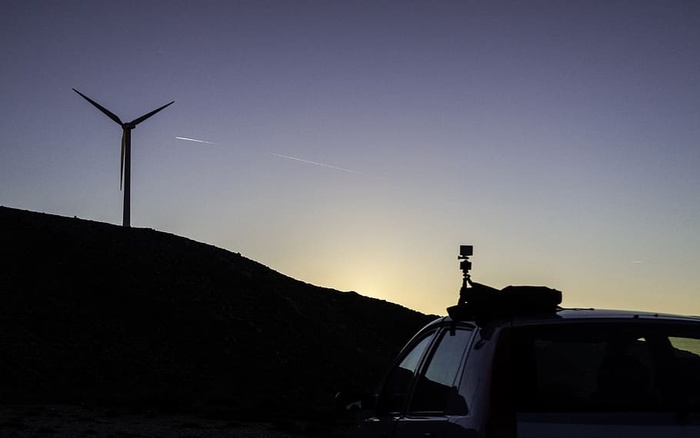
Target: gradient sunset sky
<point>357,144</point>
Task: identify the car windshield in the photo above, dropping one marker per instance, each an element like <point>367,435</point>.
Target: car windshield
<point>607,367</point>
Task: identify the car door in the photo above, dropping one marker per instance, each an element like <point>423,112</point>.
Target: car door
<point>393,392</point>
<point>434,397</point>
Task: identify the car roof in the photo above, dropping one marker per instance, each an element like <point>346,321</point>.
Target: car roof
<point>576,313</point>
<point>526,305</point>
<point>566,315</point>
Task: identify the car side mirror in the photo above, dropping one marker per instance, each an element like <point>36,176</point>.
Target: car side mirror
<point>354,401</point>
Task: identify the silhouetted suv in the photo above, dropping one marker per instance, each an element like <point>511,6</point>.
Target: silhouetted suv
<point>511,363</point>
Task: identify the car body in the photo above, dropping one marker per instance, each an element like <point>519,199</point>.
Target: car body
<point>554,373</point>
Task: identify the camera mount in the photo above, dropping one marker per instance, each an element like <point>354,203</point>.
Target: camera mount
<point>465,251</point>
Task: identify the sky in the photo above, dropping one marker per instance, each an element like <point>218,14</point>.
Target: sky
<point>356,144</point>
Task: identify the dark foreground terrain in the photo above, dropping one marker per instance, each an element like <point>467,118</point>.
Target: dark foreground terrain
<point>102,316</point>
<point>61,421</point>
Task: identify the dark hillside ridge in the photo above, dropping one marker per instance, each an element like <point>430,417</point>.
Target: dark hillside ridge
<point>98,313</point>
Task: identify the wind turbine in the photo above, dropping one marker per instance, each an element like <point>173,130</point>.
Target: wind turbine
<point>125,169</point>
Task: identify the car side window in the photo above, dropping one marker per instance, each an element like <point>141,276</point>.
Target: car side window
<point>398,381</point>
<point>606,367</point>
<point>685,347</point>
<point>436,387</point>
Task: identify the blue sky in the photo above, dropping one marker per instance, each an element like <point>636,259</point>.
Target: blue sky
<point>356,144</point>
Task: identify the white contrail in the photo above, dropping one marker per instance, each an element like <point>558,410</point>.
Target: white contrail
<point>287,157</point>
<point>194,140</point>
<point>314,162</point>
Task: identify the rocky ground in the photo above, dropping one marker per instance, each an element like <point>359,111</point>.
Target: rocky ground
<point>64,421</point>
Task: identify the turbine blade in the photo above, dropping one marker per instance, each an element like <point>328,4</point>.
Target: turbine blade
<point>106,112</point>
<point>145,116</point>
<point>121,169</point>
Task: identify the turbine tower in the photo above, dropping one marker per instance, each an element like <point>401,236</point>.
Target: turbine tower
<point>125,168</point>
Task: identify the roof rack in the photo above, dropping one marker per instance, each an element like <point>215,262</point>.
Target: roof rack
<point>479,302</point>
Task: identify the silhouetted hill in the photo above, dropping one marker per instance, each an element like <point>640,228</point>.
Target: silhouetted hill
<point>97,313</point>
